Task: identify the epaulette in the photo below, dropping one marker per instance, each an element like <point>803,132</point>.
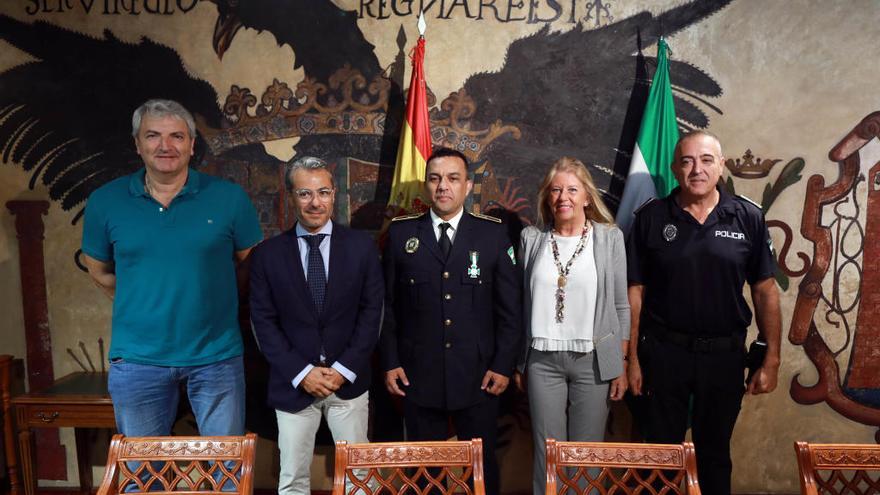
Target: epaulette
<point>643,205</point>
<point>740,196</point>
<point>407,217</point>
<point>485,217</point>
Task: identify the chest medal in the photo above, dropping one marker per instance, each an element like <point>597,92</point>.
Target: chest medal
<point>670,232</point>
<point>412,245</point>
<point>473,271</point>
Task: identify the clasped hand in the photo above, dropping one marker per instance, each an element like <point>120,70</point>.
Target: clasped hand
<point>321,382</point>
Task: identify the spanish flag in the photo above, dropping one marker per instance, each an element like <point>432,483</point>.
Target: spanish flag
<point>414,148</point>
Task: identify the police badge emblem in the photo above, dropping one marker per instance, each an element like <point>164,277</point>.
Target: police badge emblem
<point>412,245</point>
<point>473,271</point>
<point>670,232</point>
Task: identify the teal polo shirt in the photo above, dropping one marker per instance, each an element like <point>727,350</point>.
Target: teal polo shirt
<point>176,301</point>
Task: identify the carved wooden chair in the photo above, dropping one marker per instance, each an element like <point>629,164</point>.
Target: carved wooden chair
<point>851,469</point>
<point>180,464</point>
<point>417,468</point>
<point>606,468</point>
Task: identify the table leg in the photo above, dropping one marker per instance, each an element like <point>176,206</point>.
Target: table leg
<point>83,459</point>
<point>25,449</point>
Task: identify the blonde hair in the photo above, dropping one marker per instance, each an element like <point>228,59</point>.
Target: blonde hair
<point>596,211</point>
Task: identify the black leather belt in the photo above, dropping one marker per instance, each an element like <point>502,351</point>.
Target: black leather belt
<point>701,343</point>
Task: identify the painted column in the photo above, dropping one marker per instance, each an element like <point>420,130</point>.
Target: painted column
<point>52,458</point>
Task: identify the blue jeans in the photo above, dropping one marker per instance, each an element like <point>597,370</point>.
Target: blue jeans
<point>145,397</point>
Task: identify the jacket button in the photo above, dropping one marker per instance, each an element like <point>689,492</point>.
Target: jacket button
<point>445,274</point>
<point>447,322</point>
<point>447,296</point>
<point>448,345</point>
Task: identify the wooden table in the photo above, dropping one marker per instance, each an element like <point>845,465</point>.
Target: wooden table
<point>80,401</point>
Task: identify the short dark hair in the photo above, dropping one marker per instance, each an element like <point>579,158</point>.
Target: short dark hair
<point>441,152</point>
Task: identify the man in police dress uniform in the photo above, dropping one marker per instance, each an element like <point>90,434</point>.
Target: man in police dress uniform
<point>452,323</point>
<point>688,256</point>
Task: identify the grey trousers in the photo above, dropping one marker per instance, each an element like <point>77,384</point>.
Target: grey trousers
<point>347,420</point>
<point>566,401</point>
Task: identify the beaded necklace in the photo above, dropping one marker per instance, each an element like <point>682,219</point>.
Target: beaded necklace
<point>564,271</point>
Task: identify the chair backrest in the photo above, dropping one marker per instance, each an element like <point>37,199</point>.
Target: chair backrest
<point>852,469</point>
<point>180,465</point>
<point>417,467</point>
<point>605,467</point>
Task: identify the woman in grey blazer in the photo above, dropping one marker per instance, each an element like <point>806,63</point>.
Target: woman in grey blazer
<point>576,312</point>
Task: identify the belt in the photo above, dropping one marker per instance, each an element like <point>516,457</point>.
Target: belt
<point>699,343</point>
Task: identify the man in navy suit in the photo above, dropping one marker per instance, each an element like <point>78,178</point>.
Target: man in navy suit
<point>316,304</point>
<point>452,324</point>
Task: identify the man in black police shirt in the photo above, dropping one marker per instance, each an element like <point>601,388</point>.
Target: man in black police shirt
<point>688,256</point>
<point>452,323</point>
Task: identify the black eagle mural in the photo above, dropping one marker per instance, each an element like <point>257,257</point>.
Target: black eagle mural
<point>582,94</point>
<point>66,117</point>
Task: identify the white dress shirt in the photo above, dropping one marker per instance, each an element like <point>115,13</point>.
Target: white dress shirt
<point>453,222</point>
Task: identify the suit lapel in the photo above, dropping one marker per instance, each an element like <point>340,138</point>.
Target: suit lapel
<point>293,266</point>
<point>335,268</point>
<point>428,239</point>
<point>459,246</point>
<point>599,250</point>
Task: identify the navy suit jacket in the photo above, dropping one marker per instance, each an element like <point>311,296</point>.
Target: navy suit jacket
<point>289,329</point>
<point>446,324</point>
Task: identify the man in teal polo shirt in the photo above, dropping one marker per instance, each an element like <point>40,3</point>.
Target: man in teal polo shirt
<point>163,243</point>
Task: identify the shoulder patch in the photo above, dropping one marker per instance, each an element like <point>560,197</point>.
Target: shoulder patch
<point>407,217</point>
<point>744,198</point>
<point>646,203</point>
<point>485,217</point>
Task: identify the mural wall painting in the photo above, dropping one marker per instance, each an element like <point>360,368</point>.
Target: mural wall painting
<point>573,82</point>
<point>751,168</point>
<point>837,313</point>
<point>348,106</point>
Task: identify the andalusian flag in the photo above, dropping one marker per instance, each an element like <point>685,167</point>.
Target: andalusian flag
<point>650,174</point>
<point>414,148</point>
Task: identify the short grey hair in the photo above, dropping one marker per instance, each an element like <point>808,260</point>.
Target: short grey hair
<point>162,108</point>
<point>690,135</point>
<point>308,163</point>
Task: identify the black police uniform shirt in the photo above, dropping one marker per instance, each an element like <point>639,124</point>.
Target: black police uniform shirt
<point>448,321</point>
<point>694,274</point>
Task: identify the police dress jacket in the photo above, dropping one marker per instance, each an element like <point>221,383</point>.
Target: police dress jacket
<point>448,321</point>
<point>612,320</point>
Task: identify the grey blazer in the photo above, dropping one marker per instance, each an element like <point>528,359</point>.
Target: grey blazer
<point>612,305</point>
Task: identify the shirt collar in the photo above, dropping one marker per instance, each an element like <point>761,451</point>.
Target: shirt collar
<point>725,204</point>
<point>436,220</point>
<point>327,229</point>
<point>136,184</point>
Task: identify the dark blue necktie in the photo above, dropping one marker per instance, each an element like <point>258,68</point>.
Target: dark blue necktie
<point>316,277</point>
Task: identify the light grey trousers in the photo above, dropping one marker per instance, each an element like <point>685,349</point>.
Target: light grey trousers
<point>567,401</point>
<point>347,420</point>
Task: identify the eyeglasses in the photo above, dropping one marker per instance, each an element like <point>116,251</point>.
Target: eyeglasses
<point>305,195</point>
